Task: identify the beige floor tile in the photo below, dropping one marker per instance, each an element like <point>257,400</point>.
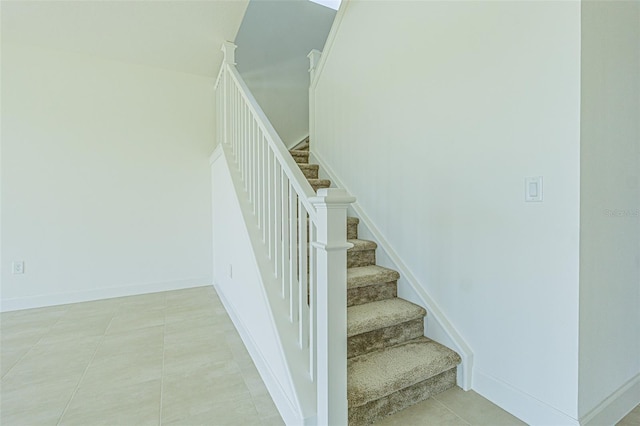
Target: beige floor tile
<point>147,340</point>
<point>217,411</point>
<point>9,358</point>
<point>32,317</point>
<point>189,323</point>
<point>39,403</point>
<point>22,339</point>
<point>113,361</point>
<point>204,313</point>
<point>234,413</point>
<point>96,307</point>
<point>272,421</point>
<point>475,409</point>
<point>254,382</point>
<point>122,370</point>
<point>428,412</point>
<point>186,331</point>
<point>265,406</point>
<point>148,300</point>
<point>50,362</point>
<point>137,404</point>
<point>200,365</point>
<point>631,419</point>
<point>136,320</point>
<point>71,328</point>
<point>191,294</point>
<point>43,414</point>
<point>186,396</point>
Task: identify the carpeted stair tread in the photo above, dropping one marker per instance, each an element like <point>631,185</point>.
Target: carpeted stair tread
<point>381,314</point>
<point>377,374</point>
<point>352,220</point>
<point>310,171</point>
<point>319,182</point>
<point>361,245</point>
<point>369,275</point>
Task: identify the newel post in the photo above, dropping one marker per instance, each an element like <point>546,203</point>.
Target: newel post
<point>229,50</point>
<point>331,309</point>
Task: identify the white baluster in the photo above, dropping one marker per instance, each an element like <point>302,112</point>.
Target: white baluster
<point>293,263</point>
<point>313,288</point>
<point>277,190</point>
<point>284,184</point>
<point>302,278</point>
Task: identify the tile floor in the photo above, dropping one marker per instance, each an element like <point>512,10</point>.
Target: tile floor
<point>171,358</point>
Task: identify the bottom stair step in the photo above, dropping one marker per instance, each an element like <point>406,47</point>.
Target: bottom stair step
<point>377,409</point>
<point>374,378</point>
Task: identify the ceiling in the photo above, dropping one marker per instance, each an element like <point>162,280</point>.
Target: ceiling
<point>179,35</point>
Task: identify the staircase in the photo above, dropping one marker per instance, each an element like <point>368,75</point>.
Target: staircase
<point>391,364</point>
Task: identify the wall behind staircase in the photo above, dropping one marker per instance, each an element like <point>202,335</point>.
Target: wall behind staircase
<point>105,177</point>
<point>610,207</point>
<point>273,41</point>
<point>432,114</point>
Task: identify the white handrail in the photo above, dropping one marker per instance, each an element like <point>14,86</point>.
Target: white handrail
<point>300,242</point>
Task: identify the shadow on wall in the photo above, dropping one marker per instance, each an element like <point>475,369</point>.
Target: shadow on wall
<point>273,42</point>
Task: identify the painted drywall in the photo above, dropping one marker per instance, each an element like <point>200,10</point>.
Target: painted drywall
<point>610,207</point>
<point>182,36</point>
<point>238,283</point>
<point>273,41</point>
<point>433,124</point>
<point>105,177</point>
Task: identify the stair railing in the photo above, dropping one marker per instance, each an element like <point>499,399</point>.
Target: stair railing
<point>302,239</point>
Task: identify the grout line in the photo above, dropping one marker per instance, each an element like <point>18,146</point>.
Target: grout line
<point>35,344</point>
<point>449,409</point>
<point>75,391</point>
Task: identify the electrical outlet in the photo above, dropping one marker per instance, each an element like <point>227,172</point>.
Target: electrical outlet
<point>17,267</point>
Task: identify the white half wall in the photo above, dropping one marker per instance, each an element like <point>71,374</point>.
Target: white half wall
<point>610,211</point>
<point>105,178</point>
<point>241,289</point>
<point>432,114</point>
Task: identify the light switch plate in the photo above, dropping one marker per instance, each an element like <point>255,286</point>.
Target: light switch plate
<point>533,189</point>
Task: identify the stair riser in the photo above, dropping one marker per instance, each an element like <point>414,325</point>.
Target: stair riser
<point>371,293</point>
<point>375,410</point>
<point>384,337</point>
<point>324,185</point>
<point>301,158</point>
<point>360,258</point>
<point>310,173</point>
<point>352,231</point>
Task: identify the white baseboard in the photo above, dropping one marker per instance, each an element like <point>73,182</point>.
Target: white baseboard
<point>615,407</point>
<point>285,407</point>
<point>525,407</point>
<point>44,300</point>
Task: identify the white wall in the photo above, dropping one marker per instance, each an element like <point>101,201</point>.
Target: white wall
<point>433,124</point>
<point>105,179</point>
<point>610,209</point>
<point>273,41</point>
<point>242,290</point>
